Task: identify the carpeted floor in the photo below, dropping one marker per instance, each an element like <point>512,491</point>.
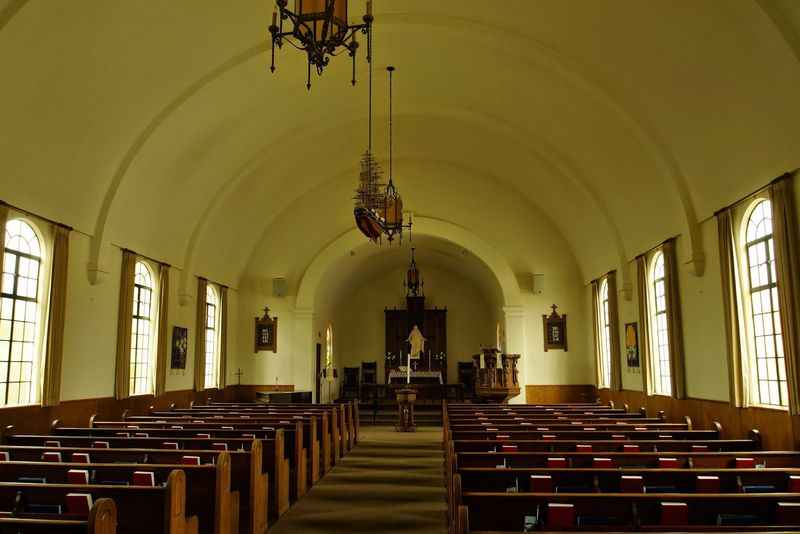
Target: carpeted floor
<point>390,483</point>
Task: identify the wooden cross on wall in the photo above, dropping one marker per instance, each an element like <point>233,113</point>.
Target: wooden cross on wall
<point>239,374</point>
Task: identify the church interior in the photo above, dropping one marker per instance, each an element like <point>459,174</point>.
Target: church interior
<point>399,266</point>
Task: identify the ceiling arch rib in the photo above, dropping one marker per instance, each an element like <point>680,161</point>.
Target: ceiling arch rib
<point>559,166</point>
<point>197,86</point>
<point>428,226</point>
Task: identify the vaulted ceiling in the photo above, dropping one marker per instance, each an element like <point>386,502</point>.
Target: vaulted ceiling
<point>601,127</point>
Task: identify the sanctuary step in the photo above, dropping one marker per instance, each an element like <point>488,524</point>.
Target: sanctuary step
<point>386,415</point>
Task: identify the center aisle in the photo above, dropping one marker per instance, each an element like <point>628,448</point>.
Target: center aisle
<point>391,482</point>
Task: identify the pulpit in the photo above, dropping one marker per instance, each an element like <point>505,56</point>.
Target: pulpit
<point>493,384</point>
<point>406,398</point>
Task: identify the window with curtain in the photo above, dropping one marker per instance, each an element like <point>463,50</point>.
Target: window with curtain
<point>662,379</point>
<point>212,336</point>
<point>20,315</point>
<point>605,336</point>
<point>142,328</point>
<point>765,342</point>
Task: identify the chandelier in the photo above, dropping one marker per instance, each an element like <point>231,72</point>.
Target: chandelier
<point>378,207</point>
<point>320,29</point>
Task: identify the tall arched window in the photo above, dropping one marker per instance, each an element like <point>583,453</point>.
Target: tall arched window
<point>329,347</point>
<point>20,315</point>
<point>212,330</point>
<point>605,336</point>
<point>662,379</point>
<point>765,323</point>
<point>141,375</point>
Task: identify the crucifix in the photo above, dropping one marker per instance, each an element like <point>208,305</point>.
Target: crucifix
<point>239,374</point>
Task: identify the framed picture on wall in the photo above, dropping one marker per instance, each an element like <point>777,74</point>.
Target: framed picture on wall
<point>632,344</point>
<point>180,344</point>
<point>266,333</point>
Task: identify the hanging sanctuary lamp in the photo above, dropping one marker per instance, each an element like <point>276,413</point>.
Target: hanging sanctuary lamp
<point>379,209</point>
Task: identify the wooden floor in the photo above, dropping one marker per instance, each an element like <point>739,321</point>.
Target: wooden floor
<point>390,483</point>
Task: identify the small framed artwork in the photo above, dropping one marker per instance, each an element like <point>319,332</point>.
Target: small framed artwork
<point>632,344</point>
<point>180,345</point>
<point>266,333</point>
<point>555,330</point>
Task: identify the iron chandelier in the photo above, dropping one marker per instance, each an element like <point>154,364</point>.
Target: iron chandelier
<point>320,29</point>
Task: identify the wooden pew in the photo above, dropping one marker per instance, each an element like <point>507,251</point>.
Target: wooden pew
<point>102,520</point>
<point>274,459</point>
<point>698,459</point>
<point>139,508</point>
<point>337,415</point>
<point>208,487</point>
<point>347,428</point>
<point>610,480</point>
<point>585,434</point>
<point>507,512</point>
<point>247,475</point>
<point>563,446</point>
<point>315,436</point>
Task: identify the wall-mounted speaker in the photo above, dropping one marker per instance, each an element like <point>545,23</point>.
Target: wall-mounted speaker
<point>279,287</point>
<point>531,283</point>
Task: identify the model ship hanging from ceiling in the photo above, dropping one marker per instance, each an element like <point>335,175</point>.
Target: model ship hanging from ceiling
<point>379,207</point>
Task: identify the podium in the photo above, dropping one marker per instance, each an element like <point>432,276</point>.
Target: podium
<point>406,398</point>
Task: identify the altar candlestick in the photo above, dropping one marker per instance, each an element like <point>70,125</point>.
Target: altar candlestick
<point>408,369</point>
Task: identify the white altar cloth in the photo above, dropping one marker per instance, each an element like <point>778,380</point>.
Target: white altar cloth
<point>397,375</point>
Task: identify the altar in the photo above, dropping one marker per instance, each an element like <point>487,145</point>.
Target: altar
<point>399,376</point>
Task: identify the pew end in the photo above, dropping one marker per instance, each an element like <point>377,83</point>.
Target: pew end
<point>661,415</point>
<point>755,435</point>
<point>718,427</point>
<point>54,425</point>
<point>642,411</point>
<point>688,421</point>
<point>92,419</point>
<point>259,490</point>
<point>6,431</point>
<point>462,525</point>
<point>125,414</point>
<point>103,517</point>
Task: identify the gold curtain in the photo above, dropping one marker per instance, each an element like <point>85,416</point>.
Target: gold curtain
<point>674,320</point>
<point>613,322</point>
<point>730,305</point>
<point>598,358</point>
<point>54,355</point>
<point>124,320</point>
<point>223,337</point>
<point>200,337</point>
<point>644,322</point>
<point>163,345</point>
<point>3,221</point>
<point>787,261</point>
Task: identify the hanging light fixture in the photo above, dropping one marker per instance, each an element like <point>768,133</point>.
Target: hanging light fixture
<point>320,29</point>
<point>379,210</point>
<point>413,283</point>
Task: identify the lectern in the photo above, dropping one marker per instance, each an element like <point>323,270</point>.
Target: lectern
<point>406,398</point>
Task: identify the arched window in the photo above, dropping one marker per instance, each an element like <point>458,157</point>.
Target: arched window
<point>212,330</point>
<point>141,375</point>
<point>662,379</point>
<point>20,316</point>
<point>767,357</point>
<point>329,347</point>
<point>605,336</point>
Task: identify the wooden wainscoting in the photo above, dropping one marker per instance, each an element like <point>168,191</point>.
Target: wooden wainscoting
<point>775,425</point>
<point>563,393</point>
